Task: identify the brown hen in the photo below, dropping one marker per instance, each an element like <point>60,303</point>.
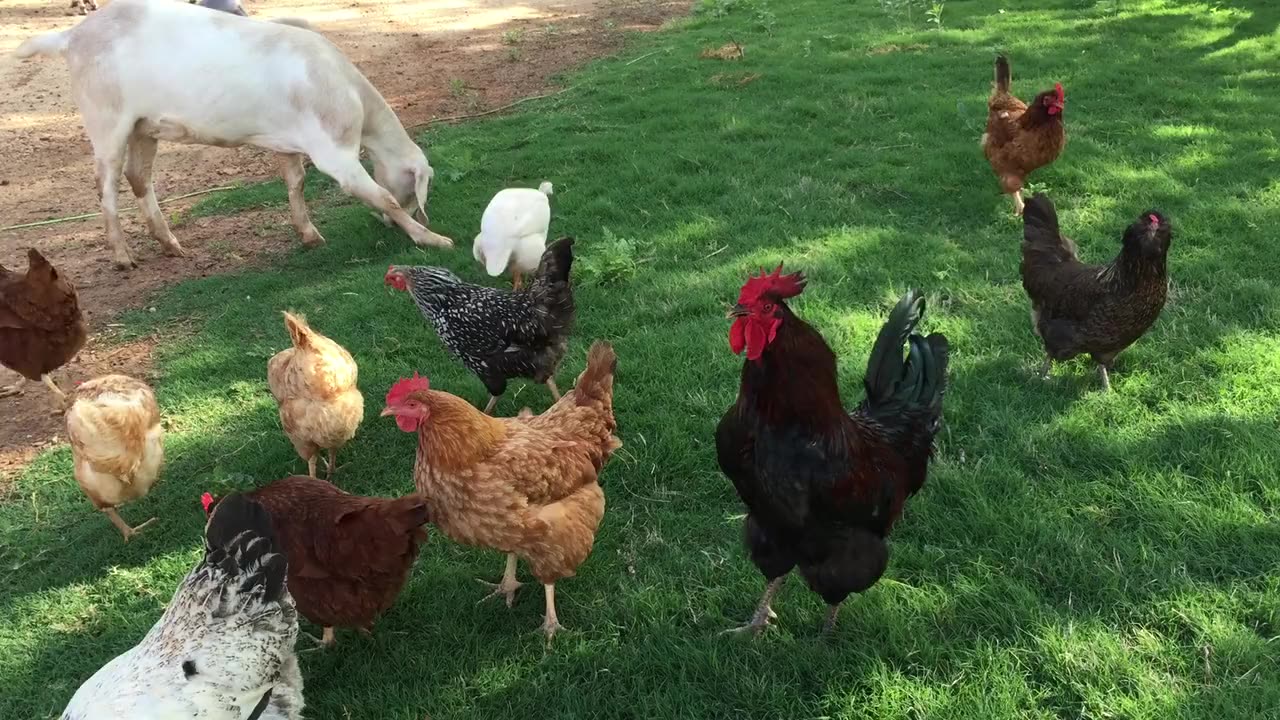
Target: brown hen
<point>349,556</point>
<point>1021,138</point>
<point>41,326</point>
<point>526,486</point>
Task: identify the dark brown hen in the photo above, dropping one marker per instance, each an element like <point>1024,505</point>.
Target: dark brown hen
<point>1097,310</point>
<point>41,326</point>
<point>349,556</point>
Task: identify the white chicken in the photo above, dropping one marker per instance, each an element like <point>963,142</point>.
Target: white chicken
<point>117,443</point>
<point>513,231</point>
<point>223,650</point>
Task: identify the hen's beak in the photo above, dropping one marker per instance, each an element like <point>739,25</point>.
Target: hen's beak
<point>737,311</point>
<point>388,410</point>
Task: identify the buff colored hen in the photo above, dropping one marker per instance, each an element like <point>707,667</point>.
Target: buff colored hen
<point>315,384</point>
<point>117,443</point>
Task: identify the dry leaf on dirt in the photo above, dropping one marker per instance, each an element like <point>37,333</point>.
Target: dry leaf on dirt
<point>728,51</point>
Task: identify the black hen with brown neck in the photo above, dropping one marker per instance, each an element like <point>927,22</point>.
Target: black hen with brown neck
<point>823,488</point>
<point>1098,310</point>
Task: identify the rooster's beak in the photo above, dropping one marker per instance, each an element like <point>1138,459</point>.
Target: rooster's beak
<point>736,311</point>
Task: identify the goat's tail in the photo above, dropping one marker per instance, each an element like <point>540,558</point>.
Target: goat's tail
<point>54,43</point>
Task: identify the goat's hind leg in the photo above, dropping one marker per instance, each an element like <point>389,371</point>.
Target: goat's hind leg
<point>110,143</point>
<point>294,174</point>
<point>344,166</point>
<point>137,170</point>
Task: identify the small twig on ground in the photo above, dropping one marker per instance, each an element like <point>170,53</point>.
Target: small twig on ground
<point>86,216</point>
<point>455,118</point>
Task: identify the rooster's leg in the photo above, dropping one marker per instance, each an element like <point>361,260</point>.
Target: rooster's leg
<point>550,625</point>
<point>123,526</point>
<point>555,391</point>
<point>493,402</point>
<point>1106,379</point>
<point>508,586</point>
<point>1017,202</point>
<point>327,640</point>
<point>14,389</point>
<point>1046,368</point>
<point>311,467</point>
<point>764,612</point>
<point>833,614</point>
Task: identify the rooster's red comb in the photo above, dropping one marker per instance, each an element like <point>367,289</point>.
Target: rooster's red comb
<point>1062,96</point>
<point>407,386</point>
<point>206,500</point>
<point>775,284</point>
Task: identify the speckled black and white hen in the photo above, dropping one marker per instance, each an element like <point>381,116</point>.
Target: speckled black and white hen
<point>223,650</point>
<point>499,334</point>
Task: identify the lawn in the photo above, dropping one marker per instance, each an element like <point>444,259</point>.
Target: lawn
<point>1075,554</point>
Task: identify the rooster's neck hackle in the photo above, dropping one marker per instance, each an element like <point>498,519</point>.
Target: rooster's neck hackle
<point>794,381</point>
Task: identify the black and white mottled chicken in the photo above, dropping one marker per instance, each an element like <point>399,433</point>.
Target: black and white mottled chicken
<point>223,650</point>
<point>499,334</point>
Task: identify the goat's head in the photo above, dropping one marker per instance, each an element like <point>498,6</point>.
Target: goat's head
<point>409,180</point>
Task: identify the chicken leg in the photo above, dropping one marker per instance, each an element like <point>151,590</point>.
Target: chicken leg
<point>14,389</point>
<point>1017,202</point>
<point>1047,368</point>
<point>119,522</point>
<point>833,614</point>
<point>493,402</point>
<point>764,612</point>
<point>1106,379</point>
<point>508,586</point>
<point>516,280</point>
<point>551,625</point>
<point>555,391</point>
<point>329,464</point>
<point>57,391</point>
<point>311,467</point>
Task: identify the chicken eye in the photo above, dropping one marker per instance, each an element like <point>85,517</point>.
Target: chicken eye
<point>768,307</point>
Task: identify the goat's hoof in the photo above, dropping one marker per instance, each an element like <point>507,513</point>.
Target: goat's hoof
<point>311,238</point>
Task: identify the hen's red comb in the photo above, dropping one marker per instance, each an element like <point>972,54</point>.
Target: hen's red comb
<point>1062,96</point>
<point>1155,221</point>
<point>407,386</point>
<point>206,500</point>
<point>776,284</point>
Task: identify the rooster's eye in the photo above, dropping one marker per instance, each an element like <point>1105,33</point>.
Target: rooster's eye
<point>768,307</point>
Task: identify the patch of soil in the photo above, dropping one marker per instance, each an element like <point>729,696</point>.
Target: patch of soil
<point>428,59</point>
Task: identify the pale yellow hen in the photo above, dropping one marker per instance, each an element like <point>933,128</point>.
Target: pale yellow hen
<point>117,443</point>
<point>315,384</point>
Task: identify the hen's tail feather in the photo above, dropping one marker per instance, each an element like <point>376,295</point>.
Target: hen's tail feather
<point>241,542</point>
<point>1004,77</point>
<point>551,288</point>
<point>1043,241</point>
<point>299,330</point>
<point>595,384</point>
<point>546,188</point>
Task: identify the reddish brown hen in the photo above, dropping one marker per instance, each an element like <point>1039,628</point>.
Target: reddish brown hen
<point>1021,138</point>
<point>349,556</point>
<point>41,326</point>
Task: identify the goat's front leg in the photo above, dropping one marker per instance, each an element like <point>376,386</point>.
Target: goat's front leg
<point>137,170</point>
<point>294,174</point>
<point>345,167</point>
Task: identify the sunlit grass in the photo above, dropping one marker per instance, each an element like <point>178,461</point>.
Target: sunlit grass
<point>1074,555</point>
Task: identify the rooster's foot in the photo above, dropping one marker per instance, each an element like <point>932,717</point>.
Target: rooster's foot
<point>757,624</point>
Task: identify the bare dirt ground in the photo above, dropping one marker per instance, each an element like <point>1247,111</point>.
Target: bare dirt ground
<point>429,58</point>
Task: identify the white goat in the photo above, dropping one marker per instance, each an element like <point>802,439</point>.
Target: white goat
<point>149,70</point>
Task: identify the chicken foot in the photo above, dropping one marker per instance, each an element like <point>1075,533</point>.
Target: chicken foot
<point>327,639</point>
<point>1046,368</point>
<point>508,586</point>
<point>764,612</point>
<point>551,625</point>
<point>123,526</point>
<point>15,389</point>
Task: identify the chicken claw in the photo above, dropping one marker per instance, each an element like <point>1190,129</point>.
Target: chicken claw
<point>508,586</point>
<point>13,390</point>
<point>123,526</point>
<point>328,639</point>
<point>764,612</point>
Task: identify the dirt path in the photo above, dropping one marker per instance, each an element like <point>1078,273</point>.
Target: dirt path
<point>429,58</point>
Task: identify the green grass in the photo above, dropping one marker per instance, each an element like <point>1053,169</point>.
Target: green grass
<point>1074,554</point>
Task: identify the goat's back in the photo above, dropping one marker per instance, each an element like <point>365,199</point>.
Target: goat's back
<point>190,75</point>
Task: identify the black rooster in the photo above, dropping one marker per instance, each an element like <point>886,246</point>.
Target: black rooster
<point>1094,309</point>
<point>499,334</point>
<point>823,488</point>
